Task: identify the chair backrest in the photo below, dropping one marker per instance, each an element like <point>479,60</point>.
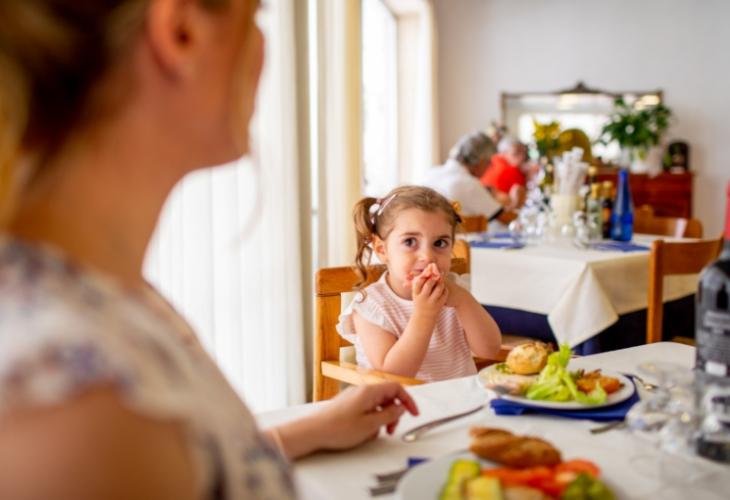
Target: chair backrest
<point>462,250</point>
<point>647,223</point>
<point>670,258</point>
<point>472,224</point>
<point>329,285</point>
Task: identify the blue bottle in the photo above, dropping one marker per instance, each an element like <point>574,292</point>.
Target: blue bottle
<point>622,218</point>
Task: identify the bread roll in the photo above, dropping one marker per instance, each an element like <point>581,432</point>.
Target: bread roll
<point>528,358</point>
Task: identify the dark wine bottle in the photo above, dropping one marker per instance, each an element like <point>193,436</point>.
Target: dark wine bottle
<point>606,207</point>
<point>712,332</point>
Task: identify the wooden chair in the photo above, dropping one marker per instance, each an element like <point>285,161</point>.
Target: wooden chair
<point>668,259</point>
<point>462,250</point>
<point>472,224</point>
<point>646,222</point>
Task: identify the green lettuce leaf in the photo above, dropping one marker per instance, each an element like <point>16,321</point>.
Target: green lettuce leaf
<point>555,383</point>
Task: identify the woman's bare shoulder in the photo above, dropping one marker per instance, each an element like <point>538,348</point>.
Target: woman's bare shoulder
<point>92,446</point>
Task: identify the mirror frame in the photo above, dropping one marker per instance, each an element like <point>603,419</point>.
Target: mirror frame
<point>579,89</point>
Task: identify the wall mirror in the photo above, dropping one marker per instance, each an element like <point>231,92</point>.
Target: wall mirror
<point>579,107</point>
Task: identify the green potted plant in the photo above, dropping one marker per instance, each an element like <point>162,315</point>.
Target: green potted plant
<point>636,131</point>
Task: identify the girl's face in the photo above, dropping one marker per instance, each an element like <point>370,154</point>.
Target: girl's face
<point>417,239</point>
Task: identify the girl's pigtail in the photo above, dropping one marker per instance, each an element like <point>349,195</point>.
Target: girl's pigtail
<point>365,229</point>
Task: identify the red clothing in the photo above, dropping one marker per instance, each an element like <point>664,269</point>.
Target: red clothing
<point>502,175</point>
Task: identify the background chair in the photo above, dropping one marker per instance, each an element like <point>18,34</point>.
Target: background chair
<point>472,224</point>
<point>668,259</point>
<point>462,250</point>
<point>647,223</point>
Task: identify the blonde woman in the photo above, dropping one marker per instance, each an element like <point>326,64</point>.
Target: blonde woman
<point>105,392</point>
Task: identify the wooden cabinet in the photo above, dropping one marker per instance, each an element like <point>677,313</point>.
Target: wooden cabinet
<point>669,194</point>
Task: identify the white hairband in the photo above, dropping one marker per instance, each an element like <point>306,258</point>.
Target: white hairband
<point>378,207</point>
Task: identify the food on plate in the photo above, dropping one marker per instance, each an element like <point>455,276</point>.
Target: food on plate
<point>570,480</point>
<point>523,493</point>
<point>553,383</point>
<point>528,358</point>
<point>587,382</point>
<point>556,383</point>
<point>505,448</point>
<point>498,376</point>
<point>520,369</point>
<point>460,472</point>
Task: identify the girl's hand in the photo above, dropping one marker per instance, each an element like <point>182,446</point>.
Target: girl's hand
<point>429,292</point>
<point>357,414</point>
<point>429,270</point>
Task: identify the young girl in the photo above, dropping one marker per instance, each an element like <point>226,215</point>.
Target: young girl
<point>416,320</point>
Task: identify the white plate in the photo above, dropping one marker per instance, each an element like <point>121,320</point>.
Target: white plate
<point>621,395</point>
<point>424,481</point>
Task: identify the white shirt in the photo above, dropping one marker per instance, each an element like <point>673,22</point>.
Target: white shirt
<point>453,180</point>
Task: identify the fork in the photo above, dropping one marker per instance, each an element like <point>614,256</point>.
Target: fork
<point>415,433</point>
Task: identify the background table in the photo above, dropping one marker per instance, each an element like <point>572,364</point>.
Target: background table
<point>336,476</point>
<point>582,292</point>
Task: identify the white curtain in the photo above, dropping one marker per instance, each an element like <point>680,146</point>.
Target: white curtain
<point>425,119</point>
<point>339,127</point>
<point>227,249</point>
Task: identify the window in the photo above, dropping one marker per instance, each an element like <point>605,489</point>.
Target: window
<point>379,98</point>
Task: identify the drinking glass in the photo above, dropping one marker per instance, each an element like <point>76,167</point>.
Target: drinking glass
<point>517,231</point>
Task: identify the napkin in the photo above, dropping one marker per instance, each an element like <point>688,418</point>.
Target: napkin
<point>619,246</point>
<point>603,414</point>
<point>496,244</point>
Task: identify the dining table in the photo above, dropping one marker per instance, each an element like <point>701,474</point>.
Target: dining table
<point>618,453</point>
<point>581,290</point>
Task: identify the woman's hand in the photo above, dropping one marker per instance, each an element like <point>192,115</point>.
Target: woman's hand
<point>357,414</point>
<point>429,292</point>
<point>353,417</point>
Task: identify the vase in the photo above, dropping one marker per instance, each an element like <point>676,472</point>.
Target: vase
<point>563,207</point>
<point>642,160</point>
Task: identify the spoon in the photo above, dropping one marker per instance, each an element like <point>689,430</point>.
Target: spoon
<point>647,385</point>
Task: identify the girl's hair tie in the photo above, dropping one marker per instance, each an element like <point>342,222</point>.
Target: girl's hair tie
<point>377,208</point>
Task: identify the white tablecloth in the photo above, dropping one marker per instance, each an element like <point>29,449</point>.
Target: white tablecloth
<point>347,475</point>
<point>582,292</point>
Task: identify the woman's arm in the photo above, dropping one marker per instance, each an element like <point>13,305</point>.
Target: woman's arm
<point>353,417</point>
<point>90,448</point>
<point>482,332</point>
<point>404,355</point>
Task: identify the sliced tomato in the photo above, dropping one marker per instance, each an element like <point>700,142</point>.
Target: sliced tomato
<point>508,477</point>
<point>576,466</point>
<point>551,487</point>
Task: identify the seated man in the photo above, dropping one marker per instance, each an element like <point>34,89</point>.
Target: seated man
<point>458,178</point>
<point>504,176</point>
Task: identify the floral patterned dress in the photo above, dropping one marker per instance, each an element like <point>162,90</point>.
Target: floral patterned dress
<point>65,330</point>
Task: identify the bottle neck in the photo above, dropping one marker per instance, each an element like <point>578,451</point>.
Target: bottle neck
<point>727,215</point>
<point>725,253</point>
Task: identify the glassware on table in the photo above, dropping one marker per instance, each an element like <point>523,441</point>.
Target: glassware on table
<point>668,419</point>
<point>517,231</point>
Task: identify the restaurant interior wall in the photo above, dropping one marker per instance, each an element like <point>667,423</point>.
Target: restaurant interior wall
<point>489,46</point>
